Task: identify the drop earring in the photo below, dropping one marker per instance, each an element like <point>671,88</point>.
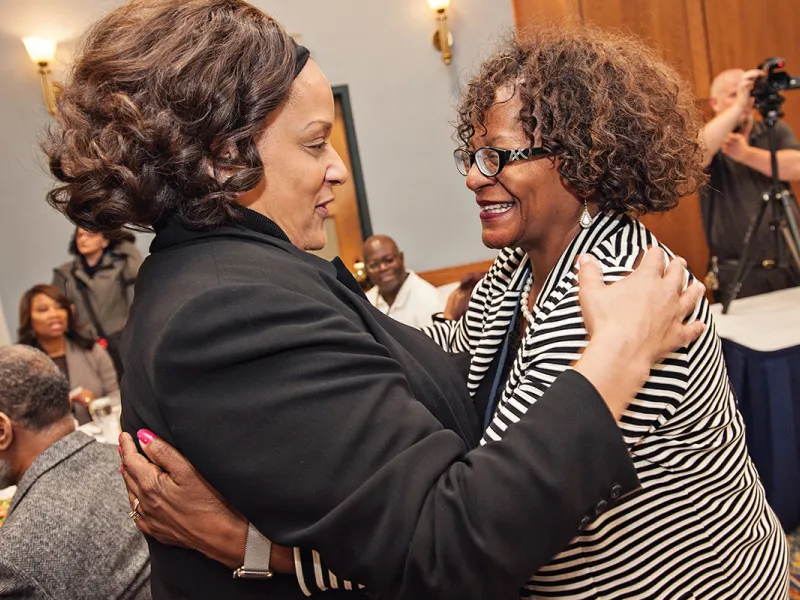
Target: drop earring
<point>586,217</point>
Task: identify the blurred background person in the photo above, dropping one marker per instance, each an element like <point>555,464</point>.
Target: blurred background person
<point>47,323</point>
<point>736,152</point>
<point>99,283</point>
<point>69,493</point>
<point>397,292</point>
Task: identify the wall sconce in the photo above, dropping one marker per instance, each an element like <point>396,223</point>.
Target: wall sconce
<point>42,52</point>
<point>442,38</point>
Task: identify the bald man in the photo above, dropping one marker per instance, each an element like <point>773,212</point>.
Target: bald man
<point>401,294</point>
<point>736,152</point>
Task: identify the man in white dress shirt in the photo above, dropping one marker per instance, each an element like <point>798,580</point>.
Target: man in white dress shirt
<point>401,294</point>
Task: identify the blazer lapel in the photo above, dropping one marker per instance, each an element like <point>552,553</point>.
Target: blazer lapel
<point>346,278</point>
<point>604,227</point>
<point>504,297</point>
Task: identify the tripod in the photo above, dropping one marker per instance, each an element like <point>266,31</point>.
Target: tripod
<point>784,223</point>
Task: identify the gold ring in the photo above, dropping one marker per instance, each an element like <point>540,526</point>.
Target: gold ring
<point>135,514</point>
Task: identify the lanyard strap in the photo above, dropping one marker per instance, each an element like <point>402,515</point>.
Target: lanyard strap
<point>495,393</point>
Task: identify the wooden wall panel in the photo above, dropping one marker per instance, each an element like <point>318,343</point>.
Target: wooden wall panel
<point>664,24</point>
<point>532,11</point>
<point>681,229</point>
<point>742,33</point>
<point>439,277</point>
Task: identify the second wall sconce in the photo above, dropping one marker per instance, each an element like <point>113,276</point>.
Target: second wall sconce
<point>42,52</point>
<point>442,38</point>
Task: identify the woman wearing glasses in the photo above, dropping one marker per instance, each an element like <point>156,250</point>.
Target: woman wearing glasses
<point>322,421</point>
<point>566,139</point>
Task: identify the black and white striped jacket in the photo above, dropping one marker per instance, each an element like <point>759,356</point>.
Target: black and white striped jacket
<point>700,527</point>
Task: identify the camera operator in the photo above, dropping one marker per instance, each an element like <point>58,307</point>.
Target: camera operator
<point>737,156</point>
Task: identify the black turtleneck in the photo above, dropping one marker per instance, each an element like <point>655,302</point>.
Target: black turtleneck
<point>257,222</point>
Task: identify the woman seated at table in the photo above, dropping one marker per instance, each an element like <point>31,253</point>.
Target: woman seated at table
<point>46,322</point>
<point>565,138</point>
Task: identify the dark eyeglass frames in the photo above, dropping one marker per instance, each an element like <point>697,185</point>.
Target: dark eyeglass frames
<point>490,160</point>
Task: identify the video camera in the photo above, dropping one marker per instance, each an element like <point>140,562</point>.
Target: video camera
<point>767,87</point>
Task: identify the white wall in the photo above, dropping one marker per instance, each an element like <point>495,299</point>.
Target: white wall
<point>402,97</point>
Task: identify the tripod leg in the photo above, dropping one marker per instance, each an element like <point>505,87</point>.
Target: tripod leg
<point>736,286</point>
<point>790,212</point>
<point>794,252</point>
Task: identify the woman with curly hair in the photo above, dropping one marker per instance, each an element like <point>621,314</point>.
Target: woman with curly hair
<point>327,424</point>
<point>566,139</point>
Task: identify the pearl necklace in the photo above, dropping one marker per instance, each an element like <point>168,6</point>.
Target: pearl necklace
<point>523,301</point>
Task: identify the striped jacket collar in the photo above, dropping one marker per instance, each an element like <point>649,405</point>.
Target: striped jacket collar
<point>512,271</point>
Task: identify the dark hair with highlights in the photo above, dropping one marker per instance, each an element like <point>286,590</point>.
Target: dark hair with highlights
<point>621,124</point>
<point>163,97</point>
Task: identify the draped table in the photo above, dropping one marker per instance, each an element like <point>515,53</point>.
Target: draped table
<point>761,343</point>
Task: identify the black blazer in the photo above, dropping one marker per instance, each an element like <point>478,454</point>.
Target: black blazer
<point>331,426</point>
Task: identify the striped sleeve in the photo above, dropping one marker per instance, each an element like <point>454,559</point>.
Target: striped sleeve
<point>313,577</point>
<point>461,335</point>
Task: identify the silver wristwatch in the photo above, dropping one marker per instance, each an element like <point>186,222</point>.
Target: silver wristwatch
<point>257,552</point>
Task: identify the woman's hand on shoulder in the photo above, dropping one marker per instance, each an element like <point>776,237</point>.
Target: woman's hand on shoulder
<point>634,323</point>
<point>647,311</point>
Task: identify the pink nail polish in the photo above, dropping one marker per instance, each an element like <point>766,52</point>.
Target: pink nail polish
<point>122,469</point>
<point>119,439</point>
<point>145,436</point>
<point>119,450</point>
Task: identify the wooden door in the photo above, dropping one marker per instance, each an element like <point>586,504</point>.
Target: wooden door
<point>349,223</point>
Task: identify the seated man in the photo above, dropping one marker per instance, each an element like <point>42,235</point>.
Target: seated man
<point>67,534</point>
<point>401,294</point>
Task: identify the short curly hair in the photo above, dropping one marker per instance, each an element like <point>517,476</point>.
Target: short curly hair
<point>622,126</point>
<point>160,93</point>
<point>35,393</point>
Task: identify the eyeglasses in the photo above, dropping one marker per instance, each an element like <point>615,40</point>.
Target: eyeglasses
<point>386,261</point>
<point>490,160</point>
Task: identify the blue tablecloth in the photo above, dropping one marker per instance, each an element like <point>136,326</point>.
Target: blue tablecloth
<point>767,386</point>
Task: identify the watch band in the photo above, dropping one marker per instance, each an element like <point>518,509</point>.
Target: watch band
<point>257,553</point>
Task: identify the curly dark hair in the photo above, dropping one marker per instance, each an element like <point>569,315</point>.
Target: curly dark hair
<point>163,96</point>
<point>622,126</point>
<point>74,331</point>
<point>115,238</point>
